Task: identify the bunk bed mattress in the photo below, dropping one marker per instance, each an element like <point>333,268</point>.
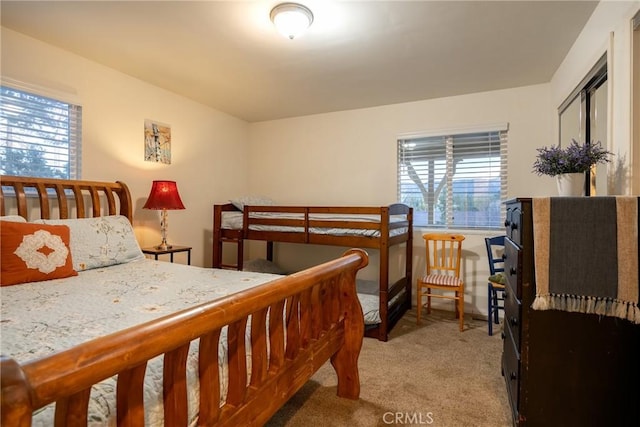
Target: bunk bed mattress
<point>41,318</point>
<point>369,297</point>
<point>234,221</point>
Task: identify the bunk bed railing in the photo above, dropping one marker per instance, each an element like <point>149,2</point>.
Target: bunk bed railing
<point>355,218</point>
<point>389,222</point>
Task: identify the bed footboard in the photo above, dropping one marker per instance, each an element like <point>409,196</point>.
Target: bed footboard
<point>321,320</point>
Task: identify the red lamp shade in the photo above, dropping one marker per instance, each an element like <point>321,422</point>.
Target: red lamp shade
<point>164,195</point>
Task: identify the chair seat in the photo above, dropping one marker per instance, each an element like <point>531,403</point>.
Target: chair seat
<point>441,280</point>
<point>497,278</point>
<point>497,285</point>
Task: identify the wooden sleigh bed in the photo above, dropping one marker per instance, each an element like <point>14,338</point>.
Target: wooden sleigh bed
<point>378,228</point>
<point>265,360</point>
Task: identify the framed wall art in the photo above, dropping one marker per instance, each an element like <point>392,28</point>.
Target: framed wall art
<point>157,142</point>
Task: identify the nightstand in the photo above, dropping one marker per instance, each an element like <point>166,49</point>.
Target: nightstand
<point>172,250</point>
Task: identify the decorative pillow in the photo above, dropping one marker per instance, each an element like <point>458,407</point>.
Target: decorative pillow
<point>100,242</point>
<point>12,218</point>
<point>240,202</point>
<point>34,252</point>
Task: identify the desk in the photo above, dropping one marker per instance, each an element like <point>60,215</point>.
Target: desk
<point>172,250</point>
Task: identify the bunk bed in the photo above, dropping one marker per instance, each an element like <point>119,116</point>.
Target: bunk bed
<point>378,228</point>
<point>229,353</point>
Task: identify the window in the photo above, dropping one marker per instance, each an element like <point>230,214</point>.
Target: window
<point>583,117</point>
<point>455,179</point>
<point>39,136</point>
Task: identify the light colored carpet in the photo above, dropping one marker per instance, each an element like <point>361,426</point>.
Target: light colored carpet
<point>430,374</point>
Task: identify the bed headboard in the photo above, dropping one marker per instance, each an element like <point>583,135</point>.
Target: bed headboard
<point>63,199</point>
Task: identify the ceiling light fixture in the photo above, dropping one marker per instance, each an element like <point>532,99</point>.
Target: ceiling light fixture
<point>291,19</point>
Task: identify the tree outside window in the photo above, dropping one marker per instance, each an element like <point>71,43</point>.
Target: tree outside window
<point>455,180</point>
<point>39,136</point>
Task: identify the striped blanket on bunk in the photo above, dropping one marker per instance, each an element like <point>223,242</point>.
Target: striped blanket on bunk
<point>586,255</point>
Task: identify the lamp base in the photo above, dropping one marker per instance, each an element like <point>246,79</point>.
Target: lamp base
<point>164,245</point>
<point>164,227</point>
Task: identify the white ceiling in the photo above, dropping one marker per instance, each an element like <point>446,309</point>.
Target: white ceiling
<point>357,54</point>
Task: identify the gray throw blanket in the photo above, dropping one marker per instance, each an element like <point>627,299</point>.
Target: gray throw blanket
<point>586,255</point>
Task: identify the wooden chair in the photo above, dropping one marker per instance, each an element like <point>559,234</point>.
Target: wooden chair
<point>495,283</point>
<point>444,254</point>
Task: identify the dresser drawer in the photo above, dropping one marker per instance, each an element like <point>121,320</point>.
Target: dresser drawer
<point>511,372</point>
<point>513,266</point>
<point>512,317</point>
<point>513,222</point>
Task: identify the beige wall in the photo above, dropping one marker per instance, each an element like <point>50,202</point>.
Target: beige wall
<point>350,158</point>
<point>635,110</point>
<point>608,31</point>
<point>338,158</point>
<point>209,148</point>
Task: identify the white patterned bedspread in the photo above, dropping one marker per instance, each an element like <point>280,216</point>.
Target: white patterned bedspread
<point>233,221</point>
<point>40,318</point>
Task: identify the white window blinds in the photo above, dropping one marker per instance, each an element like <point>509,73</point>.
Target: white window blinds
<point>454,180</point>
<point>39,136</point>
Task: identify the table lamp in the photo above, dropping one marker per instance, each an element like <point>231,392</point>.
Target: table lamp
<point>164,195</point>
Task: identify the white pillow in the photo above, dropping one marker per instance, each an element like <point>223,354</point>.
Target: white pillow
<point>240,202</point>
<point>100,242</point>
<point>12,218</point>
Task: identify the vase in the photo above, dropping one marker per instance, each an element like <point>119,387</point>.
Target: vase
<point>570,184</point>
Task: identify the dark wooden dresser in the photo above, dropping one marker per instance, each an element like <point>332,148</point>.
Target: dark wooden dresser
<point>561,368</point>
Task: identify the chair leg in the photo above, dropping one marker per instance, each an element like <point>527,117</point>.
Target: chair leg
<point>418,303</point>
<point>455,305</point>
<point>461,310</point>
<point>496,318</point>
<point>428,301</point>
<point>490,315</point>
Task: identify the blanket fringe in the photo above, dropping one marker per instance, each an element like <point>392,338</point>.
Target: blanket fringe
<point>582,304</point>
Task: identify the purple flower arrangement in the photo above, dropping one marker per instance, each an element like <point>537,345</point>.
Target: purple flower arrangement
<point>575,158</point>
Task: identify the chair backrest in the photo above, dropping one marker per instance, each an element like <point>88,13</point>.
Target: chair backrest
<point>495,253</point>
<point>444,252</point>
